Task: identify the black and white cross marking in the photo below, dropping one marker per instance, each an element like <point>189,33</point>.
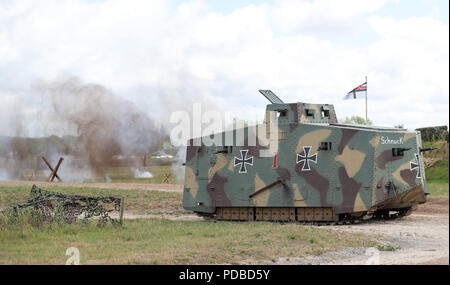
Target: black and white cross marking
<point>414,165</point>
<point>243,161</point>
<point>306,158</point>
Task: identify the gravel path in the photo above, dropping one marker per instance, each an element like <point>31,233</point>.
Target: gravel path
<point>421,238</point>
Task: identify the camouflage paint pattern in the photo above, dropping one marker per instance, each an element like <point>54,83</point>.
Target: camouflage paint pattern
<point>359,173</point>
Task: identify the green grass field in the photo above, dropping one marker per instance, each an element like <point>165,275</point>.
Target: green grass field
<point>438,172</point>
<point>437,178</point>
<point>439,189</point>
<point>160,241</point>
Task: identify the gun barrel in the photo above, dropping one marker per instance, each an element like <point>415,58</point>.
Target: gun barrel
<point>427,149</point>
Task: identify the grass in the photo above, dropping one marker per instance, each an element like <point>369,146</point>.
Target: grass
<point>441,151</point>
<point>388,247</point>
<point>136,201</point>
<point>125,175</point>
<point>160,241</point>
<point>438,189</point>
<point>438,172</point>
<point>437,178</point>
<point>437,175</point>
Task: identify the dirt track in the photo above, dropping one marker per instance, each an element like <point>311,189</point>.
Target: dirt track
<point>421,238</point>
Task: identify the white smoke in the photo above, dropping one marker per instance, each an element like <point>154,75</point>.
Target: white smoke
<point>72,169</point>
<point>142,173</point>
<point>177,164</point>
<point>4,175</point>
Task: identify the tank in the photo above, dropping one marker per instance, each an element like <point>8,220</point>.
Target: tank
<point>311,169</point>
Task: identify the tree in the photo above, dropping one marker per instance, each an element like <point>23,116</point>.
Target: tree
<point>356,120</point>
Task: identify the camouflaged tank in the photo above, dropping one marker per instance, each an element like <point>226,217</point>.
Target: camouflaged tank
<point>320,170</point>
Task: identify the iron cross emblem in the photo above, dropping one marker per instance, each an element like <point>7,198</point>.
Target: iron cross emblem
<point>306,158</point>
<point>243,161</point>
<point>415,165</point>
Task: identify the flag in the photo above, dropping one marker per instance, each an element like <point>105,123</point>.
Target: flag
<point>360,88</point>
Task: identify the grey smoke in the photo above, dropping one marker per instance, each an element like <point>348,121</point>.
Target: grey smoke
<point>105,125</point>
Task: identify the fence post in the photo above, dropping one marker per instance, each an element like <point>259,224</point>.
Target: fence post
<point>122,205</point>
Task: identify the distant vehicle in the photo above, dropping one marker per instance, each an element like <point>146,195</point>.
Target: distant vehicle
<point>322,171</point>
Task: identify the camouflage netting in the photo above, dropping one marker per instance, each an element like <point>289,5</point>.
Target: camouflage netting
<point>53,206</point>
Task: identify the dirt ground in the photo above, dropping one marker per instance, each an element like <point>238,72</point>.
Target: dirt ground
<point>421,238</point>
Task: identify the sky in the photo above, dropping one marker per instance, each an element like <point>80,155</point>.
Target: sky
<point>165,55</point>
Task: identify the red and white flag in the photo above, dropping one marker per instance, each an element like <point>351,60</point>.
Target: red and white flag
<point>353,93</point>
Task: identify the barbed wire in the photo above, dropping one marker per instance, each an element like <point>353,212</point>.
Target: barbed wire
<point>50,206</point>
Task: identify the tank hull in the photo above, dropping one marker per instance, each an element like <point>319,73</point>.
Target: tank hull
<point>317,172</point>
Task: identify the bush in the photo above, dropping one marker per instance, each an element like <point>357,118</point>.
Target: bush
<point>432,134</point>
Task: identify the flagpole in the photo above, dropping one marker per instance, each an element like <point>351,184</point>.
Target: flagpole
<point>366,99</point>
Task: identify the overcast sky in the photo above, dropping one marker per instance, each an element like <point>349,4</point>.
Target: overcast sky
<point>156,53</point>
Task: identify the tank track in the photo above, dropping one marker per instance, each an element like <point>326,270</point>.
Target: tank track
<point>301,215</point>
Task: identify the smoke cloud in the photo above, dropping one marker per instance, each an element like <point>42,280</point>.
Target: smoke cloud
<point>108,129</point>
<point>106,124</point>
<point>99,130</point>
